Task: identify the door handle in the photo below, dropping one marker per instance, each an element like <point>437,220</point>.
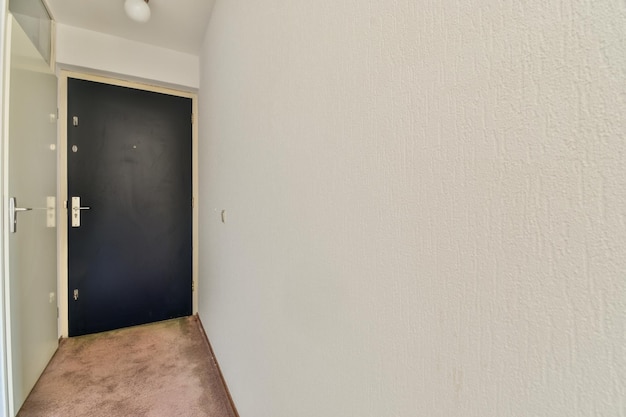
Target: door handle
<point>13,210</point>
<point>76,208</point>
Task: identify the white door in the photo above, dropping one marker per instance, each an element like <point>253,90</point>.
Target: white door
<point>30,159</point>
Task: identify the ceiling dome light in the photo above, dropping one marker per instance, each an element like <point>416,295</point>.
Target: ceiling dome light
<point>138,10</point>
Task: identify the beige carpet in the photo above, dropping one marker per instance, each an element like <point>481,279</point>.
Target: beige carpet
<point>158,370</point>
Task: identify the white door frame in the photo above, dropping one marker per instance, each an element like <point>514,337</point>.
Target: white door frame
<point>62,292</point>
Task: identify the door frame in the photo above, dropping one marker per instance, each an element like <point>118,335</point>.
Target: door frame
<point>62,218</point>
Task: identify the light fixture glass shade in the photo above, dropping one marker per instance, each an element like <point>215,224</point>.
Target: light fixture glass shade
<point>137,10</point>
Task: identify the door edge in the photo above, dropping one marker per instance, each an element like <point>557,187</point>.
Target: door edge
<point>6,373</point>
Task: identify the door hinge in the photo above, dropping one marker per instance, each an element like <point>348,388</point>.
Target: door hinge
<point>193,202</point>
<point>191,118</point>
<point>193,286</point>
<point>75,295</point>
<point>75,120</point>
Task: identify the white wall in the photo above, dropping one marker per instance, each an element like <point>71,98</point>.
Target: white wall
<point>109,55</point>
<point>425,207</point>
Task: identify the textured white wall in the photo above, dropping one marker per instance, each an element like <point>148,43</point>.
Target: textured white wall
<point>426,206</point>
<point>110,55</point>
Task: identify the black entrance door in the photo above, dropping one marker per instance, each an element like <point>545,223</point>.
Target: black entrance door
<point>129,162</point>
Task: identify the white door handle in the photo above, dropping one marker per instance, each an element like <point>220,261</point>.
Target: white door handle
<point>76,208</point>
<point>13,210</point>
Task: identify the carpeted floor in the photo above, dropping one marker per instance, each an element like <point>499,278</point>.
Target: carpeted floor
<point>157,370</point>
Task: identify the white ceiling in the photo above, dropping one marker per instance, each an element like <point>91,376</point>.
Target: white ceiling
<point>174,24</point>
